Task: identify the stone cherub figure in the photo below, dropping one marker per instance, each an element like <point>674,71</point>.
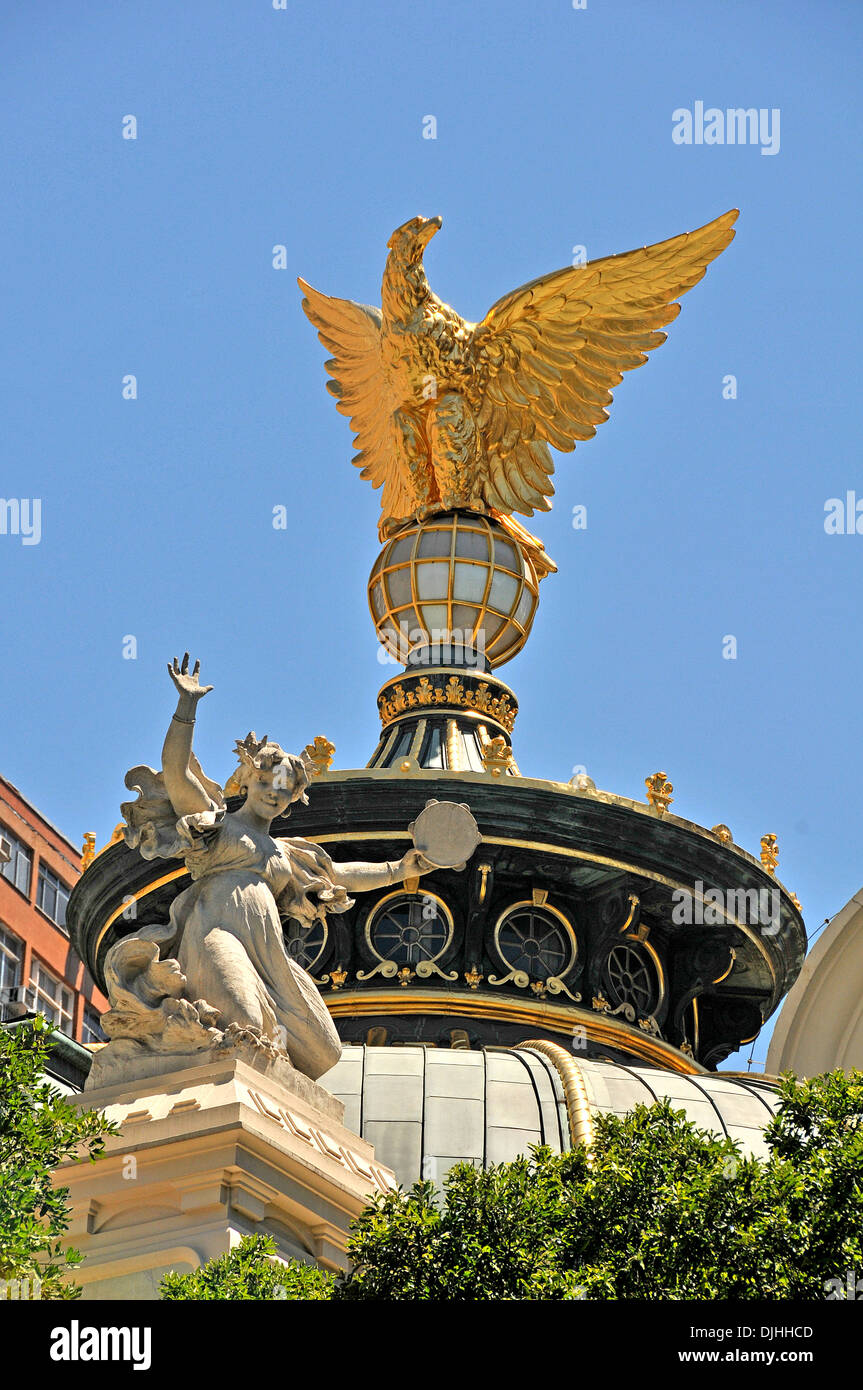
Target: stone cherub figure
<point>217,972</point>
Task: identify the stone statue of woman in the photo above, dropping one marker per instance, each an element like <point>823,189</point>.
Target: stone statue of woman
<point>218,970</point>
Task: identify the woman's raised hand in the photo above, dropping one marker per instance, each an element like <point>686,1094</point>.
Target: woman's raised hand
<point>186,683</point>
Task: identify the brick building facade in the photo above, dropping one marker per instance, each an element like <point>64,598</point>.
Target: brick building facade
<point>39,970</point>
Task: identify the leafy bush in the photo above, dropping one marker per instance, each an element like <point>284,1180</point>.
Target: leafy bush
<point>249,1272</point>
<point>657,1210</point>
<point>38,1130</point>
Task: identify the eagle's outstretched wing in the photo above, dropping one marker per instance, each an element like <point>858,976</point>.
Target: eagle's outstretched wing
<point>352,333</point>
<point>546,356</point>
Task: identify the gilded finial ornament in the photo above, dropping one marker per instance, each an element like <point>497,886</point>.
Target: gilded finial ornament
<point>796,901</point>
<point>473,977</point>
<point>497,756</point>
<point>319,755</point>
<point>659,791</point>
<point>88,850</point>
<point>723,834</point>
<point>769,853</point>
<point>450,414</point>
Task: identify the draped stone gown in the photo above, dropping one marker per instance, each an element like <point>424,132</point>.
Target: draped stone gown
<point>228,934</point>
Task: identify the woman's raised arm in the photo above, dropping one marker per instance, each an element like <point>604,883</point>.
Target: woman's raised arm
<point>186,793</point>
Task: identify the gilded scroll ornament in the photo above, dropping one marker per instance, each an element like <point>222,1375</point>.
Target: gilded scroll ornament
<point>554,985</point>
<point>520,978</point>
<point>427,968</point>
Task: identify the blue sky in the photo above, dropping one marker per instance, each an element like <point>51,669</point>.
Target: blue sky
<point>303,127</point>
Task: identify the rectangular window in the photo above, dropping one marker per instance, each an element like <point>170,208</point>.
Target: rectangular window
<point>52,998</point>
<point>432,755</point>
<point>11,954</point>
<point>91,1029</point>
<point>52,896</point>
<point>20,865</point>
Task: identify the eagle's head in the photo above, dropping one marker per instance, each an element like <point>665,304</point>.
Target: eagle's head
<point>408,242</point>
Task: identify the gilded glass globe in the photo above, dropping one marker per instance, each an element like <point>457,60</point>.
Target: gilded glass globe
<point>457,577</point>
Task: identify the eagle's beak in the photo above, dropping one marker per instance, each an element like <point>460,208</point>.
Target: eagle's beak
<point>428,229</point>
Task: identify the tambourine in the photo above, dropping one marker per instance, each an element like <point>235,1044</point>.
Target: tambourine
<point>446,833</point>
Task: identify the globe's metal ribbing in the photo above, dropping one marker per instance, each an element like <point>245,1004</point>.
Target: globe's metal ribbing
<point>455,577</point>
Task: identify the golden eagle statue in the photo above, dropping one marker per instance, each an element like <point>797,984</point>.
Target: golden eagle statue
<point>450,414</point>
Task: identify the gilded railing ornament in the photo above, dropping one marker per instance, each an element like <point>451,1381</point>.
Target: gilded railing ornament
<point>659,791</point>
<point>769,853</point>
<point>473,977</point>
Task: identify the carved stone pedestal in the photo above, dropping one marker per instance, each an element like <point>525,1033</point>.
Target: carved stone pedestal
<point>207,1155</point>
